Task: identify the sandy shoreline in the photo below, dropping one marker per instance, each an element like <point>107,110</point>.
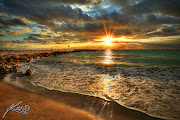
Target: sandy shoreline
<point>75,101</point>
<point>41,107</point>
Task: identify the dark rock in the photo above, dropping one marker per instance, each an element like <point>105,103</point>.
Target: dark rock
<point>25,59</point>
<point>35,56</point>
<point>13,69</point>
<point>15,57</point>
<point>10,60</point>
<point>2,58</point>
<point>6,57</point>
<point>1,63</point>
<point>46,55</point>
<point>3,70</point>
<point>29,72</point>
<point>55,54</point>
<point>17,61</point>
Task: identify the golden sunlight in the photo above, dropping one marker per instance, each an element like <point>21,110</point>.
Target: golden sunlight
<point>107,40</point>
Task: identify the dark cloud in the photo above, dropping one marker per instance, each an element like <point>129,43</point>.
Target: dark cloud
<point>161,31</point>
<point>44,12</point>
<point>31,37</point>
<point>72,38</point>
<point>44,38</point>
<point>3,27</point>
<point>120,32</point>
<point>83,27</point>
<point>36,35</point>
<point>136,30</point>
<point>12,22</point>
<point>162,45</point>
<point>93,27</point>
<point>123,19</point>
<point>168,30</point>
<point>74,27</point>
<point>178,28</point>
<point>170,7</point>
<point>42,27</point>
<point>165,31</point>
<point>18,22</point>
<point>17,41</point>
<point>159,19</point>
<point>121,2</point>
<point>35,38</point>
<point>66,1</point>
<point>119,18</point>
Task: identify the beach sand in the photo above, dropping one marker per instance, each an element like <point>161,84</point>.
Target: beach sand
<point>41,108</point>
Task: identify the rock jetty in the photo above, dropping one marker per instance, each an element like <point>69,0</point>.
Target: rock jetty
<point>9,59</point>
<point>12,59</point>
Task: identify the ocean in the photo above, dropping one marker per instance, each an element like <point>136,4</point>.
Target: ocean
<point>143,80</point>
<point>127,57</point>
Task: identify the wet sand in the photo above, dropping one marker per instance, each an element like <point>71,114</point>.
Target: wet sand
<point>41,108</point>
<point>52,104</point>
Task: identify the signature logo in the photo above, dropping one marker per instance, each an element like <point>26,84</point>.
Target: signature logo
<point>18,109</point>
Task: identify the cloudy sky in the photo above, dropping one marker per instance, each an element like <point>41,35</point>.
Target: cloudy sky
<point>96,24</point>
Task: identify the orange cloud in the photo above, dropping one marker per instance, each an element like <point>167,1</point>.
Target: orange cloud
<point>26,30</point>
<point>15,32</point>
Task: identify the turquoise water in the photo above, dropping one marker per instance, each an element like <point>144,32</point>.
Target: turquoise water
<point>127,57</point>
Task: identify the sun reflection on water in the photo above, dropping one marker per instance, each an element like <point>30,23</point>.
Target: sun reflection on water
<point>108,57</point>
<point>108,86</point>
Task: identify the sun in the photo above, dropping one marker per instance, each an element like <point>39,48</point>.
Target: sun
<point>108,40</point>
